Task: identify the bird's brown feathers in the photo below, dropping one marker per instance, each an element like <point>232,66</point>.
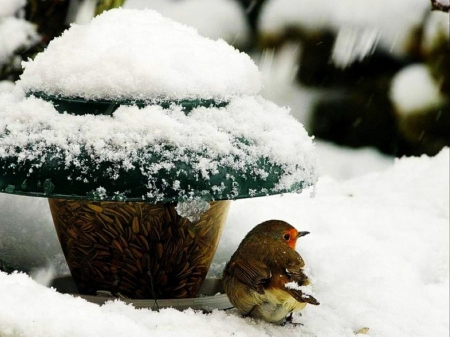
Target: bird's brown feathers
<point>300,296</point>
<point>253,274</point>
<point>271,270</point>
<point>256,277</point>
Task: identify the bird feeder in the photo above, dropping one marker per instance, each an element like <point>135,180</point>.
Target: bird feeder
<point>140,132</point>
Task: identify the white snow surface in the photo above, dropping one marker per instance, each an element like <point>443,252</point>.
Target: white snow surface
<point>6,86</point>
<point>394,20</point>
<point>215,19</point>
<point>139,54</point>
<point>14,34</point>
<point>377,256</point>
<point>353,44</point>
<point>10,7</point>
<point>413,89</point>
<point>192,209</point>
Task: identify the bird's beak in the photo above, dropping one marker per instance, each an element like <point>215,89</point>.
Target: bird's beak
<point>300,234</point>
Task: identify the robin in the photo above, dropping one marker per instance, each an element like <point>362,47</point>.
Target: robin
<point>264,277</point>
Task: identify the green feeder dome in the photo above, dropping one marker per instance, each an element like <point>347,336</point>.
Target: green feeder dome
<point>136,107</point>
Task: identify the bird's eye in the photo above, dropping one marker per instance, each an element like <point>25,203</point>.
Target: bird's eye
<point>286,237</point>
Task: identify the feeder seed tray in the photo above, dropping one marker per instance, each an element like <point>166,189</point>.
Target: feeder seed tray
<point>211,296</point>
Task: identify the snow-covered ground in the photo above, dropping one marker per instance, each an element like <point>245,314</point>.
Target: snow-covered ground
<point>378,256</point>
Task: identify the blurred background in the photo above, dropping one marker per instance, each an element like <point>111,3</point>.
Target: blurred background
<point>356,73</point>
<point>368,79</point>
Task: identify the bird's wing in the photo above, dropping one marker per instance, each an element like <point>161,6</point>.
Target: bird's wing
<point>253,274</point>
<point>294,277</point>
<point>302,296</point>
<point>297,275</point>
<point>294,267</point>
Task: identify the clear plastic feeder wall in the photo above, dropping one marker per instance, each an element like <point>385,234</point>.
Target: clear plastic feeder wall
<point>137,250</point>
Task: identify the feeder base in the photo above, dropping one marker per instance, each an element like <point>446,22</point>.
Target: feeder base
<point>211,296</point>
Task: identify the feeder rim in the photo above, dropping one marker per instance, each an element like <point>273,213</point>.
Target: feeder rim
<point>41,169</point>
<point>188,103</point>
<point>91,196</point>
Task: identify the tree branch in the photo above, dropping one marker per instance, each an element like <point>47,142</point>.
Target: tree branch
<point>438,6</point>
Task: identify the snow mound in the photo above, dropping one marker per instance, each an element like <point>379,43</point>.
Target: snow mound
<point>139,54</point>
<point>378,257</point>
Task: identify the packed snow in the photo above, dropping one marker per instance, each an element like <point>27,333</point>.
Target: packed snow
<point>140,55</point>
<point>192,209</point>
<point>377,256</point>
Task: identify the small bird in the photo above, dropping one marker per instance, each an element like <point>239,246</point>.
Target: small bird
<point>263,278</point>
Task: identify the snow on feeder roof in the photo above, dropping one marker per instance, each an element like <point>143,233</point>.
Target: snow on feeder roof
<point>140,55</point>
<point>149,151</point>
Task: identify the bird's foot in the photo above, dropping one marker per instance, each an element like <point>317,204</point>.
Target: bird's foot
<point>291,323</point>
<point>290,319</point>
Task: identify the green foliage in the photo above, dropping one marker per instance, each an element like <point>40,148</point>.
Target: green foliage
<point>104,5</point>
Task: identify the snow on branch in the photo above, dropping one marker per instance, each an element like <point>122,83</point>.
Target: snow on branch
<point>438,6</point>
